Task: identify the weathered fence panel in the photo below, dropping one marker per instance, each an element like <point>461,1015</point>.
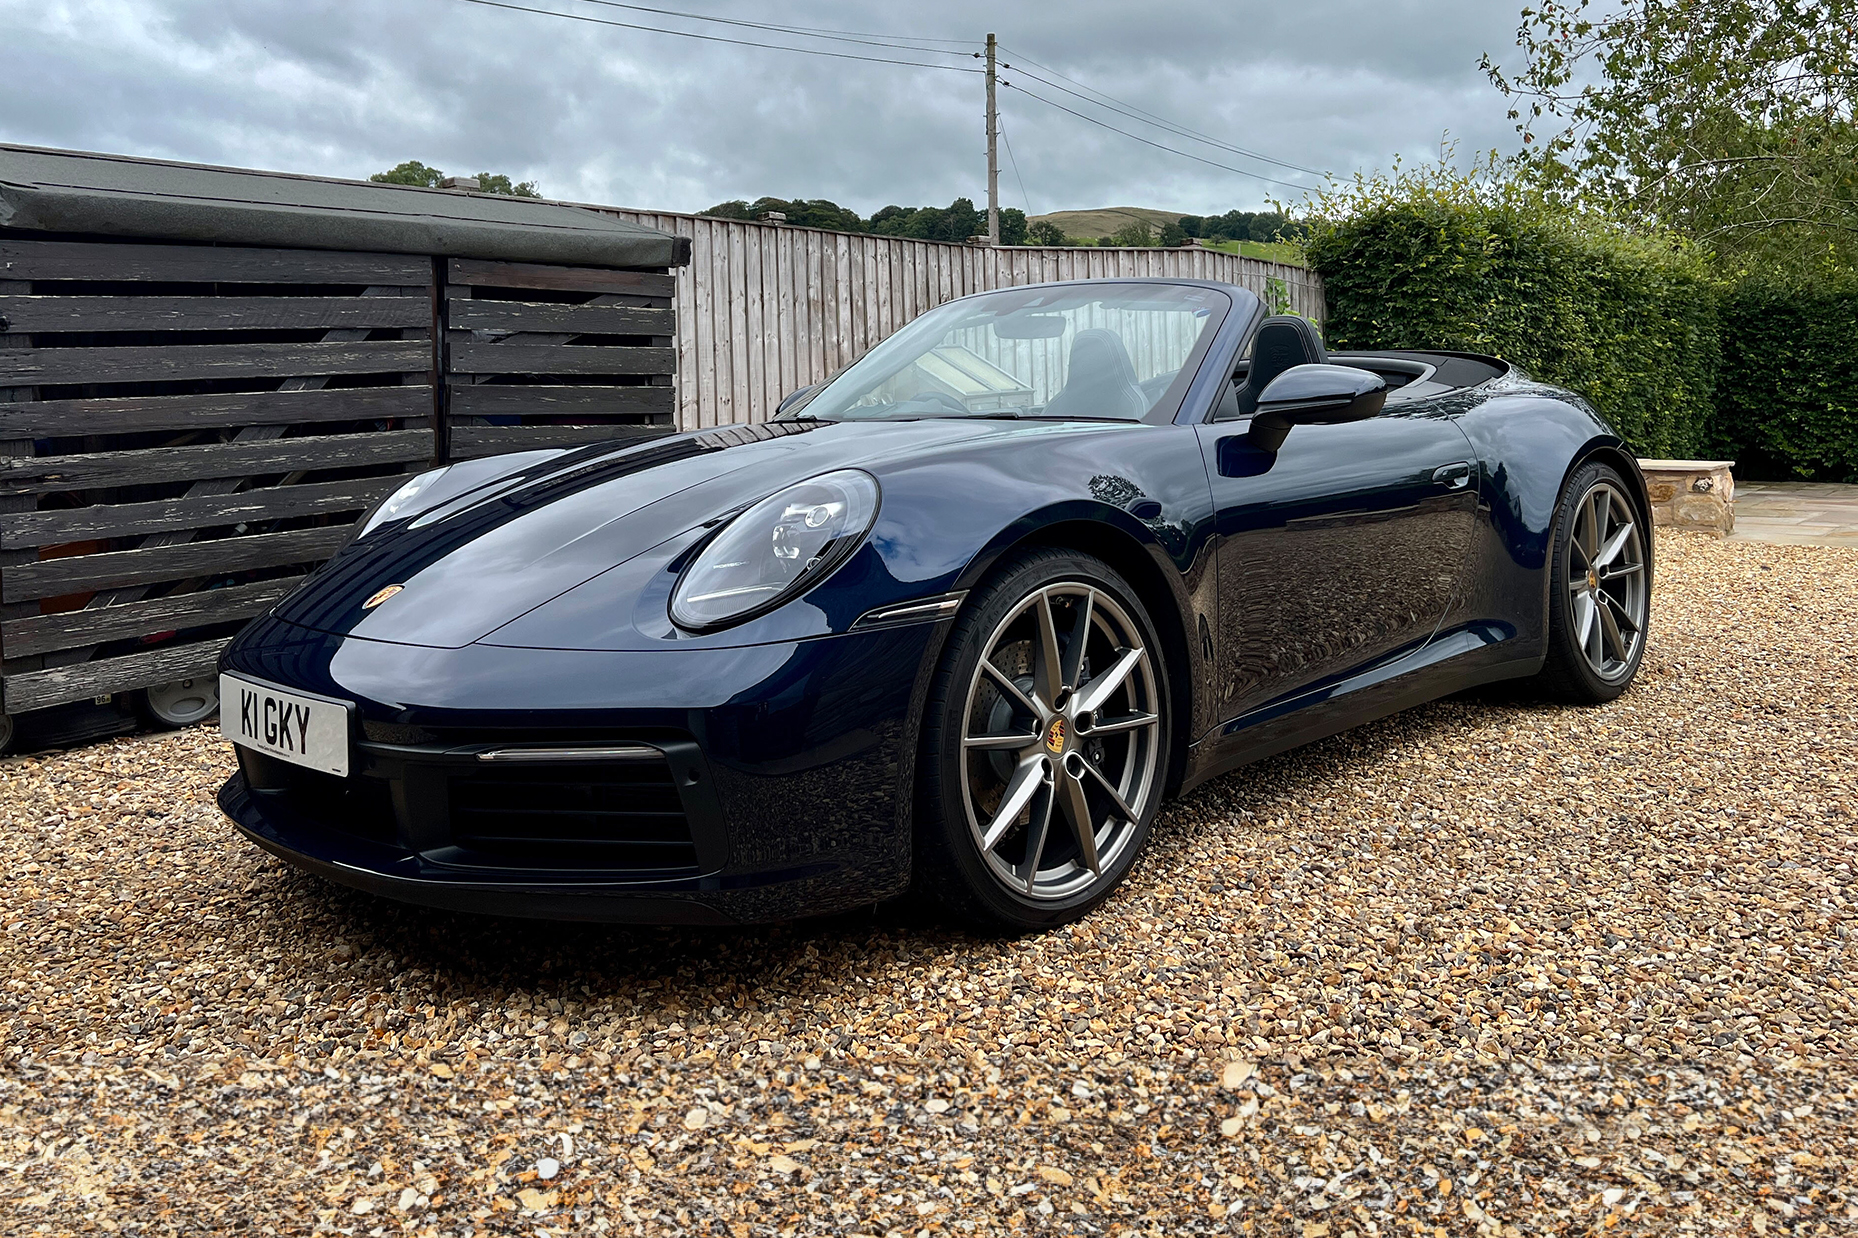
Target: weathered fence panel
<point>208,374</point>
<point>763,309</point>
<point>551,356</point>
<point>187,430</point>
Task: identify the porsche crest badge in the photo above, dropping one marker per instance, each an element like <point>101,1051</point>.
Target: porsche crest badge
<point>1054,739</point>
<point>381,596</point>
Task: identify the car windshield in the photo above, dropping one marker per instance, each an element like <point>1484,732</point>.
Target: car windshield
<point>1078,351</point>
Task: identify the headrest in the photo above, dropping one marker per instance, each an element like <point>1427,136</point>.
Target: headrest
<point>1098,355</point>
<point>1283,341</point>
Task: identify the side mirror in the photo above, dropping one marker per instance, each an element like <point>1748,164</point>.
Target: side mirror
<point>1314,395</point>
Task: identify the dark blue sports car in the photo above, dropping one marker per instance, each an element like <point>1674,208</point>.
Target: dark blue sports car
<point>960,618</point>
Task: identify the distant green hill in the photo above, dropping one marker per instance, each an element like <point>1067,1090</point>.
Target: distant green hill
<point>1089,225</point>
<point>1106,221</point>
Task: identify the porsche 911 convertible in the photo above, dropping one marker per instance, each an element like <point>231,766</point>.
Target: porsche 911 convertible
<point>958,619</point>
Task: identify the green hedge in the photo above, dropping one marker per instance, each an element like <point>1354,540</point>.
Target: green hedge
<point>1438,262</point>
<point>1787,395</point>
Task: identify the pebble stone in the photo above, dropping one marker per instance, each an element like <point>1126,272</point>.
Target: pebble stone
<point>1490,967</point>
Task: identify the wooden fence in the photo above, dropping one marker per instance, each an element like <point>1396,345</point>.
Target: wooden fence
<point>186,430</point>
<point>763,309</point>
<point>553,356</point>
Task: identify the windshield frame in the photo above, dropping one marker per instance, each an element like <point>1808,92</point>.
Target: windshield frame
<point>1165,409</point>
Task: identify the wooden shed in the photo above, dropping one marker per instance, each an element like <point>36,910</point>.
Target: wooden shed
<point>207,375</point>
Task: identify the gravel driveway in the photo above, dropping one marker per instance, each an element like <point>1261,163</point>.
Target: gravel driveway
<point>1487,967</point>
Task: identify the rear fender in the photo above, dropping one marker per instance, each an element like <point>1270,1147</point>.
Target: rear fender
<point>1529,438</point>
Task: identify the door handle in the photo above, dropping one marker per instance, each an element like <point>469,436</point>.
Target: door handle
<point>1457,475</point>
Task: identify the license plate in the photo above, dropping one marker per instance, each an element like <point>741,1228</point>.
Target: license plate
<point>311,731</point>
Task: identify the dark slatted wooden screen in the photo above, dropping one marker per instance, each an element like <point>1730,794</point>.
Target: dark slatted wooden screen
<point>186,430</point>
<point>543,356</point>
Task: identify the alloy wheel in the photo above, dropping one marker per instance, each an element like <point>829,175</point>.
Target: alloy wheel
<point>1607,590</point>
<point>1061,741</point>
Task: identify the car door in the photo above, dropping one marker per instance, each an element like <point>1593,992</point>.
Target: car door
<point>1340,548</point>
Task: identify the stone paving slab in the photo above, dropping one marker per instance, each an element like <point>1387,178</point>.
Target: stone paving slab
<point>1796,513</point>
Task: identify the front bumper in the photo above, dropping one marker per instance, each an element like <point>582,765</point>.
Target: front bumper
<point>780,787</point>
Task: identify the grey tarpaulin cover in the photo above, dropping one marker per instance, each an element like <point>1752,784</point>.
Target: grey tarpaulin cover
<point>114,195</point>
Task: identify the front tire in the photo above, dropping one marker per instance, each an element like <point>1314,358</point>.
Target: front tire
<point>1046,746</point>
<point>1599,602</point>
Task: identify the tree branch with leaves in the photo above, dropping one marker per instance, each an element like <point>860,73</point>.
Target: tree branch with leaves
<point>1729,121</point>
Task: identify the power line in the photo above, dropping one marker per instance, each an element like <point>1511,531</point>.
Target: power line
<point>1135,113</point>
<point>717,38</point>
<point>1169,126</point>
<point>1026,197</point>
<point>1148,142</point>
<point>904,42</point>
<point>852,36</point>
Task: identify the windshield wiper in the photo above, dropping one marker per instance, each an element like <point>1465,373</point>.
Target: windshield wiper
<point>1009,415</point>
<point>1069,417</point>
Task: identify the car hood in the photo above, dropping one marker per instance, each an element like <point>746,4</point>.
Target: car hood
<point>474,562</point>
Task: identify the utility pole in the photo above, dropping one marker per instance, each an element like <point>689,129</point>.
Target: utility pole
<point>993,152</point>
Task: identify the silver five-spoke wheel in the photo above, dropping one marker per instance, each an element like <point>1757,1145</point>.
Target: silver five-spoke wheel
<point>1606,578</point>
<point>1060,742</point>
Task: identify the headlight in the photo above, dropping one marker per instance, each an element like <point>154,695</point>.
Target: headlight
<point>775,550</point>
<point>399,501</point>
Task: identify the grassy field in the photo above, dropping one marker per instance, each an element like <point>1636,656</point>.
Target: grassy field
<point>1089,225</point>
<point>1270,251</point>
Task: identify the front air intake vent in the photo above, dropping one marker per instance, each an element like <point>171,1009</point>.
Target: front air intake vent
<point>616,816</point>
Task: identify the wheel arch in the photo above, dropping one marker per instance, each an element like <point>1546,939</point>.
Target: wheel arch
<point>1614,453</point>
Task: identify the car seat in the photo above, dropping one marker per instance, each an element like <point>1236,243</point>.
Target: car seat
<point>1100,379</point>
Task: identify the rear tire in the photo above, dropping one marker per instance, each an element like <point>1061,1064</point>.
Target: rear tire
<point>1599,591</point>
<point>1050,709</point>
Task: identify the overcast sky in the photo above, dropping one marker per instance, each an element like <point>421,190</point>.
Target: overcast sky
<point>626,117</point>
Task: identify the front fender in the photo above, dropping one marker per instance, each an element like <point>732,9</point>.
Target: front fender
<point>945,519</point>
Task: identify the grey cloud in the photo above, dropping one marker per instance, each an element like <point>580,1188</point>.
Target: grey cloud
<point>346,87</point>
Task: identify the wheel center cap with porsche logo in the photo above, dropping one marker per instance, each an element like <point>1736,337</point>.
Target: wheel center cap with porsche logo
<point>1593,579</point>
<point>381,596</point>
<point>1056,737</point>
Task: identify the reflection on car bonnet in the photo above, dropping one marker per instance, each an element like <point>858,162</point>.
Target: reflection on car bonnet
<point>1100,380</point>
